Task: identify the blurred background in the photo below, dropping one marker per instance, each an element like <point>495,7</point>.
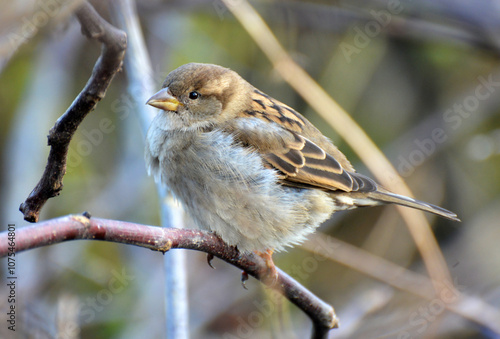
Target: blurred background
<point>421,78</point>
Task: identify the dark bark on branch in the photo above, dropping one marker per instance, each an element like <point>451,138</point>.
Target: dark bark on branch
<point>78,227</point>
<point>114,43</point>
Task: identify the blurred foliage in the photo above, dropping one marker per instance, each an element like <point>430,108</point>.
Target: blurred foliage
<point>399,86</point>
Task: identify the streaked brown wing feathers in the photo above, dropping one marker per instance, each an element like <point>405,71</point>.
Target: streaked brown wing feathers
<point>324,179</point>
<point>266,108</point>
<point>287,168</point>
<point>324,173</point>
<point>300,161</point>
<point>326,164</point>
<point>311,151</point>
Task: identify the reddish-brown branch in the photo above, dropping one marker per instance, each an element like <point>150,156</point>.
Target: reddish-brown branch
<point>114,43</point>
<point>79,227</point>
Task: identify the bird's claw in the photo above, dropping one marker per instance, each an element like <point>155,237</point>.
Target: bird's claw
<point>210,257</point>
<point>244,278</point>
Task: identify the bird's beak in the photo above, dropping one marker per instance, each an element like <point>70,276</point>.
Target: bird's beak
<point>164,100</point>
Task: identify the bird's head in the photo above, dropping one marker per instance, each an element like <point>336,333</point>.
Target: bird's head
<point>200,95</point>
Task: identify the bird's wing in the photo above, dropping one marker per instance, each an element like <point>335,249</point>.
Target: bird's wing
<point>276,131</point>
<point>290,144</point>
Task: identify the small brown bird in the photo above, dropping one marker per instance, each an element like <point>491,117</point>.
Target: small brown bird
<point>248,167</point>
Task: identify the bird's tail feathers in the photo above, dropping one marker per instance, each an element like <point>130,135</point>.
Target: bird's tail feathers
<point>380,197</point>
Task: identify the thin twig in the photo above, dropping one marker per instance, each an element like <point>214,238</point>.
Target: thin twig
<point>349,130</point>
<point>114,43</point>
<point>77,227</point>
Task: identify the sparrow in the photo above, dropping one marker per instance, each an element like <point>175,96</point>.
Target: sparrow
<point>248,167</point>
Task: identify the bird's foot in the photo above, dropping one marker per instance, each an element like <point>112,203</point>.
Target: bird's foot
<point>272,272</point>
<point>210,257</point>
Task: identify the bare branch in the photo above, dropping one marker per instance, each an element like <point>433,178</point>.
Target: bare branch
<point>109,63</point>
<point>77,227</point>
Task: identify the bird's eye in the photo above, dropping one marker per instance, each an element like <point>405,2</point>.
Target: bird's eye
<point>194,95</point>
